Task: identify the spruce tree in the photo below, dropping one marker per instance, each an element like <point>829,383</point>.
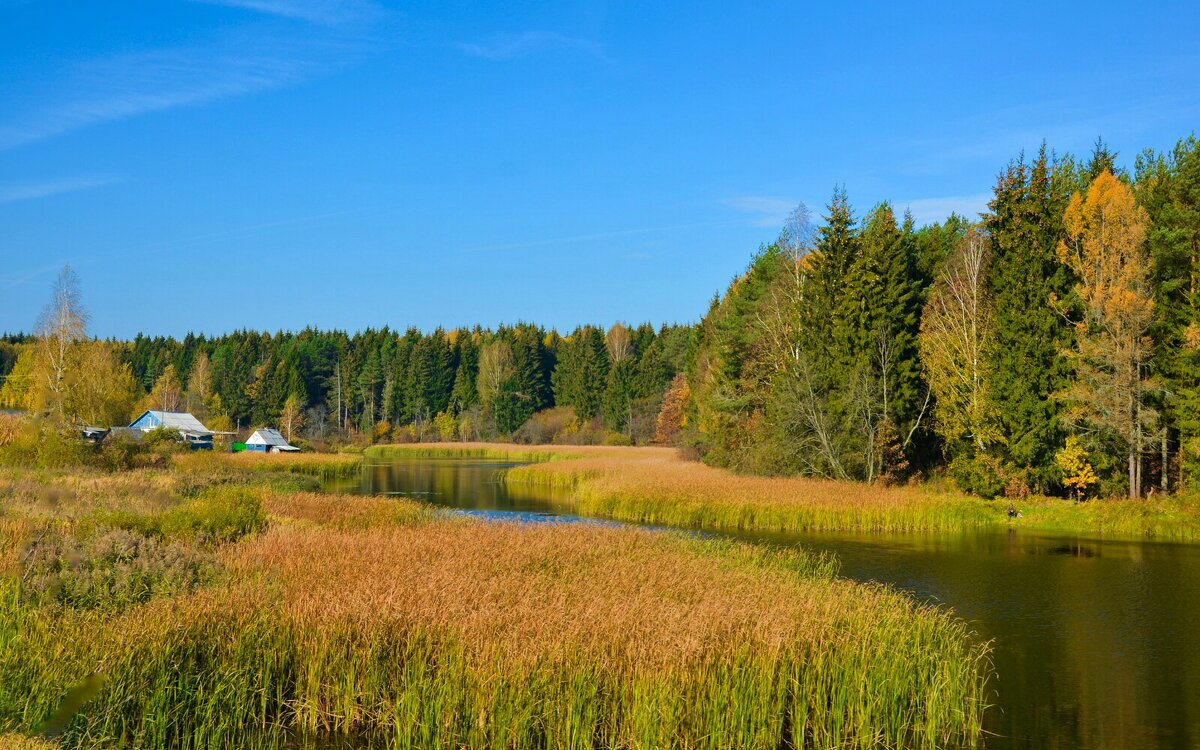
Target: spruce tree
<point>464,395</point>
<point>1168,187</point>
<point>581,374</point>
<point>619,394</point>
<point>1026,358</point>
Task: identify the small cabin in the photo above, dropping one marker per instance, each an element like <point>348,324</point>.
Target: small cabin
<point>93,435</point>
<point>268,440</point>
<point>191,430</point>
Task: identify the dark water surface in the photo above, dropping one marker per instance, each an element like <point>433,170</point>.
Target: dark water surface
<point>1096,643</point>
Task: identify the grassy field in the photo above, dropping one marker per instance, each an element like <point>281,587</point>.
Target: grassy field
<point>654,486</point>
<point>218,606</point>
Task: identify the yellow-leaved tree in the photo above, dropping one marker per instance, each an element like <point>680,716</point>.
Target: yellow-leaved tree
<point>1077,471</point>
<point>956,328</point>
<point>1106,248</point>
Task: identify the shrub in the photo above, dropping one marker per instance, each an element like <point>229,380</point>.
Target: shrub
<point>545,426</point>
<point>447,426</point>
<point>978,475</point>
<point>10,428</point>
<point>223,514</point>
<point>113,568</point>
<point>164,439</point>
<point>617,438</point>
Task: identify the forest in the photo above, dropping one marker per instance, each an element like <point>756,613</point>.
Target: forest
<point>1050,345</point>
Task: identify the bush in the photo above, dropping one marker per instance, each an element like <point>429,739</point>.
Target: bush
<point>164,439</point>
<point>978,475</point>
<point>545,426</point>
<point>11,426</point>
<point>223,514</point>
<point>113,568</point>
<point>216,515</point>
<point>617,438</point>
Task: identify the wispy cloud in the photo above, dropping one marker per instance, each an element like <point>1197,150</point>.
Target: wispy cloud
<point>509,46</point>
<point>929,210</point>
<point>20,278</point>
<point>327,12</point>
<point>764,211</point>
<point>45,189</point>
<point>125,86</point>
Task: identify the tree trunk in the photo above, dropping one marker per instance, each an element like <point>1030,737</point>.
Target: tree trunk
<point>1132,472</point>
<point>1165,462</point>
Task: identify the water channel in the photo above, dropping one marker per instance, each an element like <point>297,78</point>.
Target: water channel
<point>1096,643</point>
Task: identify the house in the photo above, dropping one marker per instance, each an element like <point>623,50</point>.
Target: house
<point>93,435</point>
<point>195,434</point>
<point>267,440</point>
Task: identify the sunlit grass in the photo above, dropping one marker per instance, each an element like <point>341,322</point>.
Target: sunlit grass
<point>378,620</point>
<point>452,634</point>
<point>654,486</point>
<point>322,465</point>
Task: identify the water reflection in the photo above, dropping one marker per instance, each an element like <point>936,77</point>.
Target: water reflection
<point>1096,642</point>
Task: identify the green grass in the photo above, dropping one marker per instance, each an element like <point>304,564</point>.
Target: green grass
<point>655,487</point>
<point>474,450</point>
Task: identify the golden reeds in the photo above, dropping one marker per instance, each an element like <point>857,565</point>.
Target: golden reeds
<point>369,618</point>
<point>655,486</point>
<point>487,635</point>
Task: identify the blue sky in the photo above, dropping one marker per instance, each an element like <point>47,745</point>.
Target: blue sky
<point>274,164</point>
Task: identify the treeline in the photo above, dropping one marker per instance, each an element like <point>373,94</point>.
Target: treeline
<point>1051,346</point>
<point>462,384</point>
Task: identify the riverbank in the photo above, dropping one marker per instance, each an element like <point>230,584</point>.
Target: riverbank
<point>217,604</point>
<point>654,486</point>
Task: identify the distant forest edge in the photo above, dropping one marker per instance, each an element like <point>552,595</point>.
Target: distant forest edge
<point>1051,346</point>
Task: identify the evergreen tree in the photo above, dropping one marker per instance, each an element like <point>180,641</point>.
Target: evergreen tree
<point>464,395</point>
<point>619,394</point>
<point>1029,335</point>
<point>1168,187</point>
<point>529,358</point>
<point>581,374</point>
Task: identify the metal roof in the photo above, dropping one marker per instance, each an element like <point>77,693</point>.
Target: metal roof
<point>266,436</point>
<point>179,420</point>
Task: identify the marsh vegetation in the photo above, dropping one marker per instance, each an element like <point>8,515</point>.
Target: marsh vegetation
<point>210,603</point>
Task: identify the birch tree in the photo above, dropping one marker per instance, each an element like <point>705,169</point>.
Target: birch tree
<point>956,329</point>
<point>62,324</point>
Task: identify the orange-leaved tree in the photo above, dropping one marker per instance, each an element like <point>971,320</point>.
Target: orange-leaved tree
<point>1106,248</point>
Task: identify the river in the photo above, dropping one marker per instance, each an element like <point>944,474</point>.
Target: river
<point>1096,643</point>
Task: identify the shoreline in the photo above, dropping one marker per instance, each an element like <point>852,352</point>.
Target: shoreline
<point>654,486</point>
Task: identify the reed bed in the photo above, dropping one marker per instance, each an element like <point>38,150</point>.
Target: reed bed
<point>321,465</point>
<point>467,634</point>
<point>309,509</point>
<point>654,486</point>
<point>524,453</point>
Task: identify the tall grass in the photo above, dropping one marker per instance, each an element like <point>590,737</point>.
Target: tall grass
<point>475,450</point>
<point>655,486</point>
<point>417,632</point>
<point>322,465</point>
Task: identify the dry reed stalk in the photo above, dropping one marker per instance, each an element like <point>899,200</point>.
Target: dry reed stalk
<point>342,511</point>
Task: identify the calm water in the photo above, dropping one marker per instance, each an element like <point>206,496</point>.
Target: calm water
<point>1096,643</point>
